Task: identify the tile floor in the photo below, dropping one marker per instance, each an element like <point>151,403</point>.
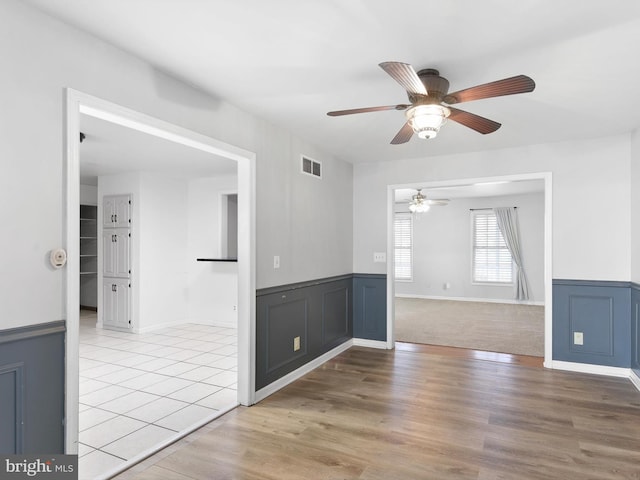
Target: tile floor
<point>137,390</point>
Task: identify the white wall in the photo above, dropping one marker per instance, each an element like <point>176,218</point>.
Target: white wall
<point>88,195</point>
<point>212,286</point>
<point>591,200</point>
<point>308,220</point>
<point>443,242</point>
<point>635,207</point>
<point>174,222</point>
<point>161,276</point>
<point>42,57</point>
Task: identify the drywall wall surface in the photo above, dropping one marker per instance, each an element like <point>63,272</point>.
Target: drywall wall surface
<point>88,195</point>
<point>442,251</point>
<point>309,218</point>
<point>162,269</point>
<point>591,200</point>
<point>45,57</point>
<point>212,286</point>
<point>635,207</point>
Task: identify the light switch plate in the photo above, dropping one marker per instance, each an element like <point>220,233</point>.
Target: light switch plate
<point>276,261</point>
<point>379,257</point>
<point>578,338</point>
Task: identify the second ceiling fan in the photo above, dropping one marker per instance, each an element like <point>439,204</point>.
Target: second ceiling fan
<point>428,94</point>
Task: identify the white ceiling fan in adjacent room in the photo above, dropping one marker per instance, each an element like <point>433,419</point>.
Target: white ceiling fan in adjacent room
<point>419,203</point>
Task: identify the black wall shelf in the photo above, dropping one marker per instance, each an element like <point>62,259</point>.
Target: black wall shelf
<point>216,259</point>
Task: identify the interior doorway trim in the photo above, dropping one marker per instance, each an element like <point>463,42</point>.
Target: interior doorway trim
<point>78,103</point>
<point>548,248</point>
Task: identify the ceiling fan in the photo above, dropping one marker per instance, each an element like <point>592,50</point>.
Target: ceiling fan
<point>428,92</point>
<point>420,204</point>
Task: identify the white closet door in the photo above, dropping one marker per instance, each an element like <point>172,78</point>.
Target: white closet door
<point>122,211</point>
<point>108,211</point>
<point>109,253</point>
<point>116,211</point>
<point>116,252</point>
<point>122,247</point>
<point>122,303</point>
<point>116,302</point>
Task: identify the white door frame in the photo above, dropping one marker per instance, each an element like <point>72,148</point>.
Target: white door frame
<point>78,103</point>
<point>548,248</point>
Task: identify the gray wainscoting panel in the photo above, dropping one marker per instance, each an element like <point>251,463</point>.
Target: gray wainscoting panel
<point>602,312</point>
<point>285,321</point>
<point>593,315</point>
<point>635,328</point>
<point>32,389</point>
<point>370,306</point>
<point>318,311</point>
<point>336,319</point>
<point>12,408</point>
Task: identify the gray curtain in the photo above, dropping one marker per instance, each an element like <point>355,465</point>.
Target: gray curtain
<point>507,220</point>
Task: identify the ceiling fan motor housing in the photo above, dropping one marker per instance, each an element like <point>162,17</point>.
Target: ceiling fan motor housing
<point>436,86</point>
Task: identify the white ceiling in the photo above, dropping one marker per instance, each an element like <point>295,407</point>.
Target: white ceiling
<point>291,61</point>
<point>476,190</point>
<point>109,149</point>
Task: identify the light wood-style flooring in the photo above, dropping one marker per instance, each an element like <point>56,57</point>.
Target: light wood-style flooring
<point>419,413</point>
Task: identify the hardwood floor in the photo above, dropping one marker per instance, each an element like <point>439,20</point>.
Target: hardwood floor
<point>525,360</point>
<point>416,413</point>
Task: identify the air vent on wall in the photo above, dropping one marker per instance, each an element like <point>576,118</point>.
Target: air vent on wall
<point>311,167</point>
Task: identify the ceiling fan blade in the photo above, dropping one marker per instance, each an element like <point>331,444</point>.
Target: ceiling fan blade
<point>439,203</point>
<point>473,121</point>
<point>338,113</point>
<point>404,135</point>
<point>405,75</point>
<point>507,86</point>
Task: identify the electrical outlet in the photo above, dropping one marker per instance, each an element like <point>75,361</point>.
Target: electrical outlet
<point>296,344</point>
<point>235,307</point>
<point>578,338</point>
<point>379,257</point>
<point>276,261</point>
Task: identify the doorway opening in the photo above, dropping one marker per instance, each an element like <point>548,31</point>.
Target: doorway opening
<point>79,105</point>
<point>439,283</point>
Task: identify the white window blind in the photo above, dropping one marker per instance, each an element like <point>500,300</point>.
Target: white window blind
<point>492,261</point>
<point>403,234</point>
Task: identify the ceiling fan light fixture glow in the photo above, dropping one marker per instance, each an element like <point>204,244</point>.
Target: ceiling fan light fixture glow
<point>418,203</point>
<point>426,120</point>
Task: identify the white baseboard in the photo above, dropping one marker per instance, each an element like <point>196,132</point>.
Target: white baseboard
<point>363,342</point>
<point>229,324</point>
<point>590,368</point>
<point>296,374</point>
<point>635,379</point>
<point>470,299</point>
<point>598,370</point>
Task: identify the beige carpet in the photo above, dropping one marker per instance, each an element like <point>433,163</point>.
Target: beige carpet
<point>494,327</point>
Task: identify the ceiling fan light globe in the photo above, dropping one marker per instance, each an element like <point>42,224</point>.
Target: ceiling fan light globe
<point>427,133</point>
<point>418,203</point>
<point>420,208</point>
<point>426,120</point>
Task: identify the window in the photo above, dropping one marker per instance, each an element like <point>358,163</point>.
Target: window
<point>492,261</point>
<point>403,242</point>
